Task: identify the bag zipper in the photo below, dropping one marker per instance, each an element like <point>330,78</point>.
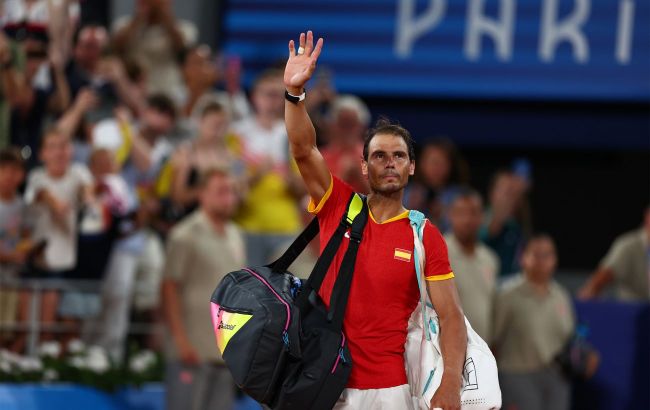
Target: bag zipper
<point>340,356</point>
<point>285,336</point>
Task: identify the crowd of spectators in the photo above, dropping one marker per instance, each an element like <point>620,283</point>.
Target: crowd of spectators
<point>118,143</point>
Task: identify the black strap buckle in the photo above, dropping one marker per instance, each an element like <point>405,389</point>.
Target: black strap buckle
<point>355,236</point>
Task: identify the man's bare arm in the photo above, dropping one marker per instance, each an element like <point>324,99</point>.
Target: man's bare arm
<point>598,281</point>
<point>172,315</point>
<point>302,136</point>
<point>453,341</point>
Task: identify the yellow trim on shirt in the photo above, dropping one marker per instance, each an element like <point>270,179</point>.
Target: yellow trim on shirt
<point>403,215</point>
<point>315,210</point>
<point>436,278</point>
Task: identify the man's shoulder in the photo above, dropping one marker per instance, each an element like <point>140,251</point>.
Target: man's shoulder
<point>629,240</point>
<point>559,291</point>
<point>38,172</point>
<point>334,201</point>
<point>187,227</point>
<point>432,233</point>
<point>512,286</point>
<point>485,252</point>
<point>233,231</point>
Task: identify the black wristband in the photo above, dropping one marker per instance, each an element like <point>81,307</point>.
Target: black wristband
<point>294,99</point>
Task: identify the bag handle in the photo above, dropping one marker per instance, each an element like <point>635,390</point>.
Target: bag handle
<point>295,249</point>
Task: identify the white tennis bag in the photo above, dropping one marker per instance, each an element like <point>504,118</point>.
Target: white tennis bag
<point>423,358</point>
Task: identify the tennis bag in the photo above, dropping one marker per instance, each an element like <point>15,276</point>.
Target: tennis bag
<point>281,345</point>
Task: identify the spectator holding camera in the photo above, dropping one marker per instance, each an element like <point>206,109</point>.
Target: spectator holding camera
<point>34,85</point>
<point>504,227</point>
<point>154,38</point>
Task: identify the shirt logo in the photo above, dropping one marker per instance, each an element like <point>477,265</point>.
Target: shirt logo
<point>347,234</point>
<point>402,255</point>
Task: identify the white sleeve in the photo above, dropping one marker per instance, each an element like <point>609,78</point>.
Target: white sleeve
<point>35,182</point>
<point>82,174</point>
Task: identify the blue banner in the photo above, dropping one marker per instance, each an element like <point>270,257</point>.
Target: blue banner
<point>503,49</point>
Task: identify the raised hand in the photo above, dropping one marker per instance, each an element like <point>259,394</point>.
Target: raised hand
<point>86,100</point>
<point>301,63</point>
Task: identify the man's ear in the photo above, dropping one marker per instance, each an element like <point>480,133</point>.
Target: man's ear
<point>412,168</point>
<point>364,168</point>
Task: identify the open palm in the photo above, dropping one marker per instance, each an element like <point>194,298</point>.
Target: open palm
<point>301,66</point>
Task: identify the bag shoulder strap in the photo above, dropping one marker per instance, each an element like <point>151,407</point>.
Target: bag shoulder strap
<point>343,284</point>
<point>354,208</point>
<point>417,221</point>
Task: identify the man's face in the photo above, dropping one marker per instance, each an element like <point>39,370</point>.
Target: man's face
<point>435,166</point>
<point>268,97</point>
<point>540,260</point>
<point>35,56</point>
<point>466,215</point>
<point>218,197</point>
<point>90,45</point>
<point>199,69</point>
<point>213,126</point>
<point>102,163</point>
<point>56,153</point>
<point>157,122</point>
<point>388,166</point>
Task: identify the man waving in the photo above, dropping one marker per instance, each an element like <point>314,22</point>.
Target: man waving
<point>384,290</point>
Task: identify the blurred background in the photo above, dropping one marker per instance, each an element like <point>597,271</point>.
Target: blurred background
<point>144,156</point>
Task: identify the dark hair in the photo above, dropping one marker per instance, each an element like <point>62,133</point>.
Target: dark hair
<point>538,236</point>
<point>162,104</point>
<point>53,131</point>
<point>385,126</point>
<point>185,53</point>
<point>77,33</point>
<point>11,157</point>
<point>210,173</point>
<point>213,107</point>
<point>466,192</point>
